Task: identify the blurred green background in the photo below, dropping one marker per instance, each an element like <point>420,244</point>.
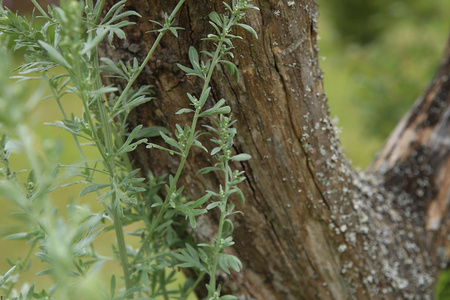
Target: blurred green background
<point>377,56</point>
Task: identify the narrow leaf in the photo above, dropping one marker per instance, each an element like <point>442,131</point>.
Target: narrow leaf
<point>113,285</point>
<point>184,111</point>
<point>93,188</point>
<point>101,33</point>
<point>200,201</point>
<point>241,196</point>
<point>7,275</point>
<point>17,236</point>
<point>215,18</point>
<point>207,170</point>
<point>193,57</point>
<point>170,141</point>
<point>204,96</point>
<point>249,29</point>
<point>241,157</point>
<point>55,55</point>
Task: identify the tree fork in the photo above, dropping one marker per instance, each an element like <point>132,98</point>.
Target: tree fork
<point>313,227</point>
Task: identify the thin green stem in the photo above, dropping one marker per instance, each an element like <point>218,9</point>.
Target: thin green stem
<point>212,278</point>
<point>99,15</point>
<point>218,242</point>
<point>61,108</point>
<point>105,152</point>
<point>121,245</point>
<point>189,143</point>
<point>147,58</point>
<point>41,10</point>
<point>107,126</point>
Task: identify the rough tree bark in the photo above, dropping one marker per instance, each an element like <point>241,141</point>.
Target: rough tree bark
<point>313,227</point>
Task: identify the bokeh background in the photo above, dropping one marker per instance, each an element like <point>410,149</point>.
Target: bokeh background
<point>378,57</point>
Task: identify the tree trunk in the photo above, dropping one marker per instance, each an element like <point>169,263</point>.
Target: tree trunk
<point>313,227</point>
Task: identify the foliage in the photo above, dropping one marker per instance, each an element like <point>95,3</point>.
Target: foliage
<point>443,285</point>
<point>371,85</point>
<point>65,242</point>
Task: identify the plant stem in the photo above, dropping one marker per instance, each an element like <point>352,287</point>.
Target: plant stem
<point>41,10</point>
<point>189,142</point>
<point>105,148</point>
<point>147,58</point>
<point>212,278</point>
<point>218,242</point>
<point>61,108</point>
<point>121,245</point>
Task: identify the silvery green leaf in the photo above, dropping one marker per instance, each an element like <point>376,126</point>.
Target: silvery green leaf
<point>102,91</point>
<point>249,29</point>
<point>228,297</point>
<point>207,170</point>
<point>215,109</point>
<point>6,276</point>
<point>200,201</point>
<point>112,285</point>
<point>198,144</point>
<point>215,150</point>
<point>190,71</point>
<point>193,58</point>
<point>93,188</point>
<point>215,18</point>
<point>215,27</point>
<point>212,205</point>
<point>226,261</point>
<point>223,110</point>
<point>45,272</point>
<point>241,196</point>
<point>92,43</point>
<point>61,125</point>
<point>55,55</point>
<point>129,147</point>
<point>170,141</point>
<point>184,111</point>
<point>241,157</point>
<point>204,96</point>
<point>17,236</point>
<point>231,68</point>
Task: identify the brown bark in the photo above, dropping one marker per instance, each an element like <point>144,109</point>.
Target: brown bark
<point>26,5</point>
<point>313,228</point>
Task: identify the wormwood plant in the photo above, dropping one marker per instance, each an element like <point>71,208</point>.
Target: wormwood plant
<point>68,38</point>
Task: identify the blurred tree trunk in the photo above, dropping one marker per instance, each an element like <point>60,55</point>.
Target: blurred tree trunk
<point>313,227</point>
<point>26,5</point>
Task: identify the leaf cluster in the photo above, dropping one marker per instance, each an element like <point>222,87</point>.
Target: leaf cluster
<point>67,37</point>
